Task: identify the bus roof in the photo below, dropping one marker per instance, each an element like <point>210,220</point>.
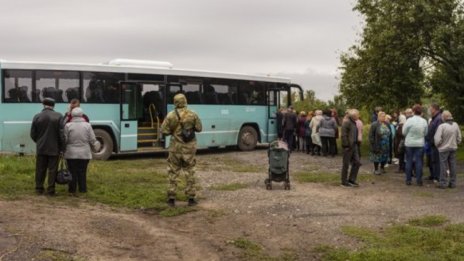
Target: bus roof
<point>145,67</point>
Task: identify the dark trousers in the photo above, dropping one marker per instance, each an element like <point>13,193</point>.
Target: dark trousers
<point>309,144</point>
<point>328,146</point>
<point>42,164</point>
<point>401,163</point>
<point>350,156</point>
<point>78,169</point>
<point>289,138</point>
<point>434,163</point>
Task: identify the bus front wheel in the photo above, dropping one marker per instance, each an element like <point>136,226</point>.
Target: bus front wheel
<point>106,142</point>
<point>247,138</point>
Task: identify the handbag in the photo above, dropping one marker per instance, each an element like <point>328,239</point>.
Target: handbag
<point>63,176</point>
<point>186,134</point>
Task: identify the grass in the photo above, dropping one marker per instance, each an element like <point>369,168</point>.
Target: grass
<point>425,238</point>
<point>230,186</point>
<point>56,255</point>
<point>255,252</point>
<point>428,221</point>
<point>326,177</point>
<point>137,184</point>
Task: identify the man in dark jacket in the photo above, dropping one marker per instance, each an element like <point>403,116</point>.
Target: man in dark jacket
<point>435,155</point>
<point>350,149</point>
<point>45,132</point>
<point>289,126</point>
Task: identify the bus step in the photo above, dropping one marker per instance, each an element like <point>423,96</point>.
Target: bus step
<point>147,141</point>
<point>147,134</point>
<point>146,128</point>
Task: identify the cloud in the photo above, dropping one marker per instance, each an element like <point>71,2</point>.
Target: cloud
<point>260,36</point>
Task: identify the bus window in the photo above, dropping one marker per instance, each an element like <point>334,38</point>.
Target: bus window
<point>252,93</point>
<point>173,90</point>
<point>145,77</point>
<point>102,87</point>
<point>59,85</point>
<point>17,85</point>
<point>192,93</point>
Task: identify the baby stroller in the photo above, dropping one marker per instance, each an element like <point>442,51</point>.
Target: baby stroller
<point>278,154</point>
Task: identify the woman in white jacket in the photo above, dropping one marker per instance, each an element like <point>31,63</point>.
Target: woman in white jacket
<point>80,140</point>
<point>316,139</point>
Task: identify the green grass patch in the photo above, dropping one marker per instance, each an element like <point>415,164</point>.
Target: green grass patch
<point>230,186</point>
<point>326,177</point>
<point>56,255</point>
<point>426,238</point>
<point>172,212</point>
<point>255,252</point>
<point>428,221</point>
<point>137,184</point>
<point>423,194</point>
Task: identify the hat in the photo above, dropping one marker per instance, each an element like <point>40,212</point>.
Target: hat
<point>49,102</point>
<point>77,112</point>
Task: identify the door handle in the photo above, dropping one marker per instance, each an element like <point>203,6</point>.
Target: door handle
<point>272,122</point>
<point>127,125</point>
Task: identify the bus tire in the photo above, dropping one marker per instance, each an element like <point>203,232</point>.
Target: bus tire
<point>106,143</point>
<point>247,138</point>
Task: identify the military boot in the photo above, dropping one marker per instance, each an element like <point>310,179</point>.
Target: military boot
<point>171,202</point>
<point>192,202</point>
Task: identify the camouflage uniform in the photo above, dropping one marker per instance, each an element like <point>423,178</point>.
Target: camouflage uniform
<point>181,154</point>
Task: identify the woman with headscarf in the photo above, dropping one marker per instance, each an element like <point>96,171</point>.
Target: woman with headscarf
<point>379,139</point>
<point>80,140</point>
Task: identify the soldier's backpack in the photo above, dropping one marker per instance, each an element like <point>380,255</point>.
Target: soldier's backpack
<point>186,134</point>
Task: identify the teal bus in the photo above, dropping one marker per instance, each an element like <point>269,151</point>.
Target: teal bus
<point>127,100</point>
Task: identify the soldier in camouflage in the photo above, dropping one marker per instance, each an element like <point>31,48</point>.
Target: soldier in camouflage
<point>181,153</point>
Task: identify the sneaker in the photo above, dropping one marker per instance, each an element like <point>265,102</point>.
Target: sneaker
<point>354,184</point>
<point>408,183</point>
<point>171,202</point>
<point>192,202</point>
<point>346,185</point>
<point>377,172</point>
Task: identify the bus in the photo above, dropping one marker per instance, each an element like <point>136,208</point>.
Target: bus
<point>127,100</point>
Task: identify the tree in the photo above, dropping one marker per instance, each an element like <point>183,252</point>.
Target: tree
<point>407,48</point>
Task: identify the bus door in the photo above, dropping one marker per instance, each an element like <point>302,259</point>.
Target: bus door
<point>272,98</point>
<point>130,103</point>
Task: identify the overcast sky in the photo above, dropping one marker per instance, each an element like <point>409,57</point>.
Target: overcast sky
<point>301,39</point>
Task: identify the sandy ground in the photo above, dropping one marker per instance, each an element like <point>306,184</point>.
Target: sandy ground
<point>310,214</point>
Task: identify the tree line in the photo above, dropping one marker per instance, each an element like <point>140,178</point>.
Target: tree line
<point>409,52</point>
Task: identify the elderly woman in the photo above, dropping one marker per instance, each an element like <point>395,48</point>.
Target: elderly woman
<point>327,130</point>
<point>447,138</point>
<point>301,131</point>
<point>379,139</point>
<point>414,131</point>
<point>316,139</point>
<point>79,140</point>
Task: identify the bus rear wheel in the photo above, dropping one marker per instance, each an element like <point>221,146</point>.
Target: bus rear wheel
<point>247,138</point>
<point>106,142</point>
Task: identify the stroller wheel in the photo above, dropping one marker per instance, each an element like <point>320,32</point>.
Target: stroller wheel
<point>287,186</point>
<point>268,184</point>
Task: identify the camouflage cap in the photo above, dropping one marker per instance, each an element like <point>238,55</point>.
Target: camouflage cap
<point>180,101</point>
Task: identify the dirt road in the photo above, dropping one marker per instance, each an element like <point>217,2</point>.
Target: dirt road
<point>284,224</point>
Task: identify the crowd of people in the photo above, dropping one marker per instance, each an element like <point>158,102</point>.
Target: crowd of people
<point>402,138</point>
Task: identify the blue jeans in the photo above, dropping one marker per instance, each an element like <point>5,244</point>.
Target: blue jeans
<point>416,155</point>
